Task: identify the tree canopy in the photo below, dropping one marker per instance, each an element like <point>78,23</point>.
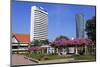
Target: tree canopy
<point>77,41</point>
<point>91,28</point>
<point>40,42</point>
<point>61,37</point>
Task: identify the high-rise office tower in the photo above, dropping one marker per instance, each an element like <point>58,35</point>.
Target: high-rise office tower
<point>39,24</point>
<point>80,26</point>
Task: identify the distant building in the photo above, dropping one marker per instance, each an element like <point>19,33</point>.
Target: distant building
<point>80,26</point>
<point>39,24</point>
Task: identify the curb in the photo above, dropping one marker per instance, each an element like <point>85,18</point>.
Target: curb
<point>31,59</point>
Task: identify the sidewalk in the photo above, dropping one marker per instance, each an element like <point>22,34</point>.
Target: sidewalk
<point>20,60</point>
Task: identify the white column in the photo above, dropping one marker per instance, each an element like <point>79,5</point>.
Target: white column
<point>47,50</point>
<point>63,51</point>
<point>76,50</point>
<point>85,49</point>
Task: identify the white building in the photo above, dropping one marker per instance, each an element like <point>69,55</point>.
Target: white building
<point>39,24</point>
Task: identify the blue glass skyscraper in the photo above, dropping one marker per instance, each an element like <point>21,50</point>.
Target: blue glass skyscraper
<point>80,26</point>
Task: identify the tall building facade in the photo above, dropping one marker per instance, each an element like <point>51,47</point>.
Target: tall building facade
<point>39,24</point>
<point>80,26</point>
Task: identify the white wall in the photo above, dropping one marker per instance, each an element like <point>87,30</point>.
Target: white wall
<point>14,40</point>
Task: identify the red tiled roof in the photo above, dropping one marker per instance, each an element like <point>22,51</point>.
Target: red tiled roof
<point>24,38</point>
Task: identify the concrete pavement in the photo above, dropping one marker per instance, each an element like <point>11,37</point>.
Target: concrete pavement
<point>20,60</point>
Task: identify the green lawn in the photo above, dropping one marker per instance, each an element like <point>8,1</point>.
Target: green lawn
<point>42,57</point>
<point>85,57</point>
<point>52,57</point>
<point>47,57</point>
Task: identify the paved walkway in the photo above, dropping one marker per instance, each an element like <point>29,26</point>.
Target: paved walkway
<point>20,60</point>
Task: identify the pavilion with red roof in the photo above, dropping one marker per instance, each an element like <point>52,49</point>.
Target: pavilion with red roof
<point>20,42</point>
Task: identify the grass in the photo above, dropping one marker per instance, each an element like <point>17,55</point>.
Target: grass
<point>85,57</point>
<point>52,57</point>
<point>42,57</point>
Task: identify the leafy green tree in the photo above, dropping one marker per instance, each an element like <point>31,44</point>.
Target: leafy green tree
<point>62,37</point>
<point>91,32</point>
<point>91,28</point>
<point>44,42</point>
<point>36,43</point>
<point>40,42</point>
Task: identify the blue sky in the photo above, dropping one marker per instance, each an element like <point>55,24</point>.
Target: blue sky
<point>61,17</point>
